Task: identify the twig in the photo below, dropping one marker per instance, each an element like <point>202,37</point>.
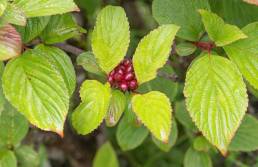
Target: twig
<point>69,48</point>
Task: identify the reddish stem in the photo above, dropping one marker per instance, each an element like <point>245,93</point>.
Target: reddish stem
<point>207,46</point>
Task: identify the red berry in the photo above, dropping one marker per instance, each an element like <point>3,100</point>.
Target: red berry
<point>133,85</point>
<point>129,76</point>
<point>129,69</point>
<point>126,62</point>
<point>110,79</point>
<point>118,77</point>
<point>124,86</point>
<point>120,71</point>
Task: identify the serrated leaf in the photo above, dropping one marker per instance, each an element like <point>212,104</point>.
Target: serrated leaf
<point>195,158</point>
<point>106,156</point>
<point>185,49</point>
<point>35,8</point>
<point>3,5</point>
<point>39,84</point>
<point>183,13</point>
<point>110,37</point>
<point>153,52</point>
<point>116,108</point>
<point>27,156</point>
<point>172,139</point>
<point>2,98</point>
<point>10,42</point>
<point>201,144</point>
<point>155,112</point>
<point>129,134</point>
<point>244,54</point>
<point>33,28</point>
<point>216,98</point>
<point>88,61</point>
<point>60,28</point>
<point>14,127</point>
<point>246,135</point>
<point>14,15</point>
<point>220,32</point>
<point>7,159</point>
<point>95,101</point>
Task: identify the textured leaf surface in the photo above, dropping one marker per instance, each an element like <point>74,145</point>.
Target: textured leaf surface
<point>129,134</point>
<point>2,98</point>
<point>172,139</point>
<point>10,42</point>
<point>60,28</point>
<point>14,126</point>
<point>39,84</point>
<point>244,54</point>
<point>116,107</point>
<point>95,101</point>
<point>155,112</point>
<point>14,15</point>
<point>110,38</point>
<point>106,156</point>
<point>246,136</point>
<point>201,144</point>
<point>27,157</point>
<point>33,28</point>
<point>220,32</point>
<point>195,158</point>
<point>7,159</point>
<point>185,49</point>
<point>34,8</point>
<point>183,13</point>
<point>216,98</point>
<point>153,52</point>
<point>3,5</point>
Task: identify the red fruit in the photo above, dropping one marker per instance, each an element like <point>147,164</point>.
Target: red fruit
<point>133,85</point>
<point>127,62</point>
<point>124,86</point>
<point>129,76</point>
<point>118,77</point>
<point>129,69</point>
<point>110,79</point>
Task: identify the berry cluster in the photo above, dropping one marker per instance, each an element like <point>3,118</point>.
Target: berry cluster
<point>123,77</point>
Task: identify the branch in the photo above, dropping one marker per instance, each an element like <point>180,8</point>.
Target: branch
<point>69,48</point>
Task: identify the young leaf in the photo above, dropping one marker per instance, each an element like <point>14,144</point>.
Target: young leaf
<point>246,135</point>
<point>110,37</point>
<point>172,139</point>
<point>201,144</point>
<point>185,49</point>
<point>183,13</point>
<point>88,61</point>
<point>39,84</point>
<point>10,42</point>
<point>95,101</point>
<point>244,54</point>
<point>3,5</point>
<point>60,28</point>
<point>27,157</point>
<point>7,159</point>
<point>35,8</point>
<point>33,28</point>
<point>220,32</point>
<point>14,125</point>
<point>154,110</point>
<point>106,156</point>
<point>129,135</point>
<point>116,107</point>
<point>13,15</point>
<point>195,158</point>
<point>216,98</point>
<point>153,52</point>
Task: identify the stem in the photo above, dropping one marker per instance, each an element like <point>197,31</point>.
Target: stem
<point>207,46</point>
<point>69,48</point>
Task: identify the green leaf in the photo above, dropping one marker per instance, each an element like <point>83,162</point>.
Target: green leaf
<point>216,98</point>
<point>33,28</point>
<point>154,110</point>
<point>153,52</point>
<point>195,158</point>
<point>166,86</point>
<point>7,159</point>
<point>95,101</point>
<point>10,42</point>
<point>27,157</point>
<point>39,84</point>
<point>246,135</point>
<point>106,156</point>
<point>220,32</point>
<point>116,108</point>
<point>185,49</point>
<point>183,13</point>
<point>244,54</point>
<point>129,134</point>
<point>3,5</point>
<point>201,144</point>
<point>13,14</point>
<point>60,28</point>
<point>35,8</point>
<point>110,37</point>
<point>172,139</point>
<point>2,98</point>
<point>14,125</point>
<point>88,61</point>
